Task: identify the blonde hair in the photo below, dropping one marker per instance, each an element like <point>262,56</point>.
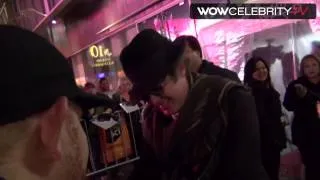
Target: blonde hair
<point>13,136</point>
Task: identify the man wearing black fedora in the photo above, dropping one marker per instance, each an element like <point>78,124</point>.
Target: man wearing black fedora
<point>194,126</point>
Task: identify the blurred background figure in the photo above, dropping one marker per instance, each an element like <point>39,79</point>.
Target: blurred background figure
<point>90,88</point>
<point>195,61</point>
<point>124,89</point>
<point>104,88</point>
<point>268,106</point>
<point>302,97</point>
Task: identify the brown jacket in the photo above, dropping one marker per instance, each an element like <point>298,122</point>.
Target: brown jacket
<point>183,148</point>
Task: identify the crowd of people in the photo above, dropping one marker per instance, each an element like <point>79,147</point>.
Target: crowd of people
<point>199,121</point>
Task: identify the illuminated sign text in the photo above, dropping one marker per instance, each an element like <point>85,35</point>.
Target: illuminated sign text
<point>101,56</point>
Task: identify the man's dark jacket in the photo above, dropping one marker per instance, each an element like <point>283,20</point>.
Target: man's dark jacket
<point>211,69</point>
<point>239,158</point>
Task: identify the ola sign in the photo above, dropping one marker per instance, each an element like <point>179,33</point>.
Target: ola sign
<point>101,56</point>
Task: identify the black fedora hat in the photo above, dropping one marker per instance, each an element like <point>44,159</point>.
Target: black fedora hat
<point>147,60</point>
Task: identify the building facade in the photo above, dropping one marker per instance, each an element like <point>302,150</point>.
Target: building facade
<point>93,43</point>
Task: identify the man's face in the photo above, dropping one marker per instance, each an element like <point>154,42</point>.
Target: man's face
<point>192,58</point>
<point>172,94</point>
<point>104,85</point>
<point>125,86</point>
<point>311,68</point>
<point>192,52</point>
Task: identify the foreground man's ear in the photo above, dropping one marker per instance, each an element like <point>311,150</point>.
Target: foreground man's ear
<point>51,124</point>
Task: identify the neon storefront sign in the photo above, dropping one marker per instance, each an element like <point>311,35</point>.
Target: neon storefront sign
<point>101,56</point>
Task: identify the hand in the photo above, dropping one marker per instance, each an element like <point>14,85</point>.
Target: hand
<point>301,90</point>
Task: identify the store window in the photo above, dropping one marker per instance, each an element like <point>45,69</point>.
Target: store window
<point>282,43</point>
<point>101,60</point>
<point>230,43</point>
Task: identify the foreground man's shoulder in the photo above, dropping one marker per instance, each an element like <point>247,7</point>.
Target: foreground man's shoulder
<point>237,87</point>
<point>240,94</point>
<point>240,90</point>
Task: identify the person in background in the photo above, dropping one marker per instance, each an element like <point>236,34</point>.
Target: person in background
<point>268,105</point>
<point>183,132</point>
<point>40,133</point>
<point>135,117</point>
<point>302,97</point>
<point>90,88</point>
<point>104,88</point>
<point>197,63</point>
<point>124,89</point>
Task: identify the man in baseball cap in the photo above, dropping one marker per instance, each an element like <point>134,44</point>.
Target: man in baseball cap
<point>40,132</point>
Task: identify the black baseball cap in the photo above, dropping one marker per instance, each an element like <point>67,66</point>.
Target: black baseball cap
<point>34,74</point>
<point>147,60</point>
